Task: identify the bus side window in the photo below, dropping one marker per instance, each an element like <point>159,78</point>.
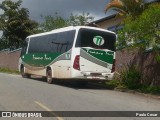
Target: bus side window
<point>70,39</point>
<point>66,40</point>
<point>62,42</point>
<point>53,43</point>
<point>24,47</point>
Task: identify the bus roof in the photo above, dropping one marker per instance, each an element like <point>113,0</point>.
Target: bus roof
<point>68,29</point>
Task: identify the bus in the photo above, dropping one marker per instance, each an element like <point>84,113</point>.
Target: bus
<point>77,53</point>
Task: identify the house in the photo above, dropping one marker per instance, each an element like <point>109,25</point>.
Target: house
<point>112,23</point>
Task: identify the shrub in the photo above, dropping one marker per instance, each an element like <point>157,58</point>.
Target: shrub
<point>158,58</point>
<point>131,77</point>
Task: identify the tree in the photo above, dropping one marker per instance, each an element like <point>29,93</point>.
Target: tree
<point>80,19</point>
<point>56,21</point>
<point>126,7</point>
<point>145,29</point>
<point>15,24</point>
<point>140,21</point>
<point>53,22</point>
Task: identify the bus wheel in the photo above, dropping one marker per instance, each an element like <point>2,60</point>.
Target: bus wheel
<point>49,76</point>
<point>23,74</point>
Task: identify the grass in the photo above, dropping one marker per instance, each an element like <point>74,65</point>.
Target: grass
<point>150,89</point>
<point>7,70</point>
<point>116,84</point>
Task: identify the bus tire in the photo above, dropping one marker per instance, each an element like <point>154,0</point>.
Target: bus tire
<point>23,74</point>
<point>49,76</point>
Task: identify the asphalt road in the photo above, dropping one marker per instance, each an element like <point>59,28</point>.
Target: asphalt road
<point>21,94</point>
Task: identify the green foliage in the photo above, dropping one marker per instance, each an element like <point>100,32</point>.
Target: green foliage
<point>132,8</point>
<point>53,22</point>
<point>144,30</point>
<point>131,77</point>
<point>56,21</point>
<point>80,19</point>
<point>158,58</point>
<point>15,24</point>
<point>113,83</point>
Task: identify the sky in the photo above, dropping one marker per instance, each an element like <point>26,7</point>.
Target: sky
<point>65,7</point>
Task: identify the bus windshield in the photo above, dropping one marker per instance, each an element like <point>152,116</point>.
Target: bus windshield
<point>96,39</point>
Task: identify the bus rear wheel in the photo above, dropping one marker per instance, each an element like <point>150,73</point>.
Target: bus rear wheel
<point>23,74</point>
<point>49,76</point>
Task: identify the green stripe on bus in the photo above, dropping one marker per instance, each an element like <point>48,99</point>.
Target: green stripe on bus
<point>105,56</point>
<point>39,59</point>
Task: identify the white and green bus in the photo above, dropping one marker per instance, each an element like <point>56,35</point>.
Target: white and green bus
<point>76,52</point>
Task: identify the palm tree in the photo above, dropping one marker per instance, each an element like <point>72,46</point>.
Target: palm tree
<point>126,7</point>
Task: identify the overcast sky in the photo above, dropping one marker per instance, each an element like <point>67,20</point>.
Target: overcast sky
<point>65,7</point>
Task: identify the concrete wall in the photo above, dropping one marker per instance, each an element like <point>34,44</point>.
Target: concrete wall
<point>9,59</point>
<point>110,22</point>
<point>145,61</point>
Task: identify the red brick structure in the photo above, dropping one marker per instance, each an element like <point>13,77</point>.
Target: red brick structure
<point>9,59</point>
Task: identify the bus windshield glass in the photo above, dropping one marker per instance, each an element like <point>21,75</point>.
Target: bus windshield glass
<point>96,39</point>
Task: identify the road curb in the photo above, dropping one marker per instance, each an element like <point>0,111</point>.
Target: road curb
<point>138,93</point>
<point>129,91</point>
